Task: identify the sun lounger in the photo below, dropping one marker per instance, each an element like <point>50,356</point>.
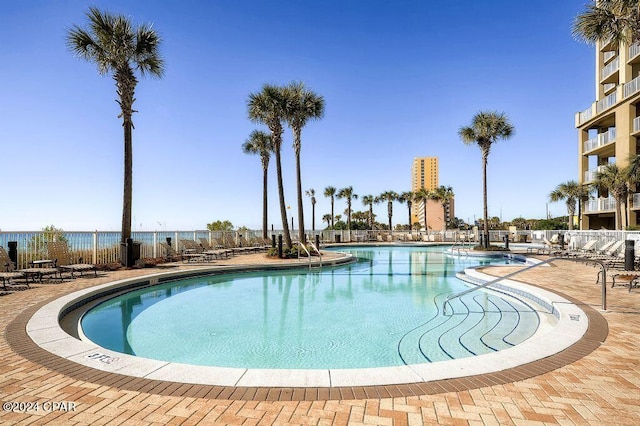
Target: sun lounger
<point>193,252</point>
<point>60,254</point>
<point>209,248</point>
<point>7,270</point>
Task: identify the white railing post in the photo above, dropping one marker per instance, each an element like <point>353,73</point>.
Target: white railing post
<point>95,247</point>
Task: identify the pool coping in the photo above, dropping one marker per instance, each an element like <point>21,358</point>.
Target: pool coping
<point>103,365</point>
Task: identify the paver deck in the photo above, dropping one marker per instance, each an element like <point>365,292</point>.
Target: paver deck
<point>596,383</point>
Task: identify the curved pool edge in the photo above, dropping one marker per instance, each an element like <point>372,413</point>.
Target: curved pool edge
<point>43,328</point>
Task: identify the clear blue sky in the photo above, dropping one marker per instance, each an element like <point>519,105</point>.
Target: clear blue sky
<point>399,79</point>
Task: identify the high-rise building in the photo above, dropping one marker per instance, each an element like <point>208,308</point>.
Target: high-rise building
<point>609,130</point>
<point>425,174</point>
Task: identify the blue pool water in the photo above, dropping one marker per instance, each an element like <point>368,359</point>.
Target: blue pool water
<point>383,310</point>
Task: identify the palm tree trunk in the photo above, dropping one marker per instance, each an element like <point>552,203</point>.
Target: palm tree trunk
<point>128,186</point>
<point>301,236</point>
<point>313,217</point>
<point>484,199</point>
<point>283,208</point>
<point>390,212</point>
<point>264,202</point>
<point>332,222</point>
<point>409,208</point>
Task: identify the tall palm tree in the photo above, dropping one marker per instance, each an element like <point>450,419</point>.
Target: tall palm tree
<point>407,197</point>
<point>618,20</point>
<point>312,193</point>
<point>368,200</point>
<point>348,194</point>
<point>302,105</point>
<point>268,107</point>
<point>330,192</point>
<point>444,194</point>
<point>487,127</point>
<point>389,197</point>
<point>259,143</point>
<point>614,180</point>
<point>423,195</point>
<point>568,191</point>
<point>111,42</point>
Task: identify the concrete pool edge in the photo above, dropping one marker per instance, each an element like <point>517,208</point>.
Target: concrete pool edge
<point>422,376</point>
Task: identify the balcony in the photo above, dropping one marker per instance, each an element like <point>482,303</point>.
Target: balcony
<point>632,87</point>
<point>634,52</point>
<point>636,125</point>
<point>590,175</point>
<point>608,87</point>
<point>600,140</point>
<point>600,205</point>
<point>608,55</point>
<point>606,102</point>
<point>607,73</point>
<point>606,44</point>
<point>635,203</point>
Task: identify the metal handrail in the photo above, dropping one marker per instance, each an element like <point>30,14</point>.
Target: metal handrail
<point>306,251</point>
<point>544,262</point>
<point>313,246</point>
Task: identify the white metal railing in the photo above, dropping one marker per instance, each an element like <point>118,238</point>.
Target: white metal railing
<point>585,115</point>
<point>600,205</point>
<point>635,203</point>
<point>609,86</point>
<point>609,54</point>
<point>590,175</point>
<point>606,103</point>
<point>600,140</point>
<point>636,124</point>
<point>631,87</point>
<point>634,50</point>
<point>610,68</point>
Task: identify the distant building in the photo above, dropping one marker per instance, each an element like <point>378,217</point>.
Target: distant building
<point>609,130</point>
<point>425,174</point>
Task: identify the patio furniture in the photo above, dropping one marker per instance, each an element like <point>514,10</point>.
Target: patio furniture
<point>63,259</point>
<point>7,269</point>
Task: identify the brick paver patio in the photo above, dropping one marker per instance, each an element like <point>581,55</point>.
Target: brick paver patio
<point>601,387</point>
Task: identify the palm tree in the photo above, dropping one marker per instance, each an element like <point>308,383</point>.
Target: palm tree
<point>348,194</point>
<point>423,195</point>
<point>487,127</point>
<point>330,191</point>
<point>368,200</point>
<point>327,218</point>
<point>614,180</point>
<point>302,105</point>
<point>117,48</point>
<point>618,20</point>
<point>569,191</point>
<point>312,193</point>
<point>407,197</point>
<point>268,107</point>
<point>259,143</point>
<point>444,194</point>
<point>389,197</point>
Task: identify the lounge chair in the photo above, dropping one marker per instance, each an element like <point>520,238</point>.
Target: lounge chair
<point>589,247</point>
<point>209,248</point>
<point>7,270</point>
<point>195,251</point>
<point>60,254</point>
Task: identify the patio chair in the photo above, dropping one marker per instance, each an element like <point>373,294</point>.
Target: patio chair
<point>62,258</point>
<point>589,247</point>
<point>7,269</point>
<point>194,251</point>
<point>209,248</point>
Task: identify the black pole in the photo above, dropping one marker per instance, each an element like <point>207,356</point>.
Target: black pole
<point>280,246</point>
<point>13,252</point>
<point>629,255</point>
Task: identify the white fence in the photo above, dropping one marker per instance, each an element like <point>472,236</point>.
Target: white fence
<point>104,247</point>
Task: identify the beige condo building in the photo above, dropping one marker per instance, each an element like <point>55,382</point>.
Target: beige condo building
<point>425,174</point>
<point>608,131</point>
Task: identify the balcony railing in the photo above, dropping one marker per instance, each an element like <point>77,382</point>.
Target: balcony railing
<point>585,115</point>
<point>590,175</point>
<point>606,102</point>
<point>610,68</point>
<point>601,205</point>
<point>632,87</point>
<point>635,203</point>
<point>600,140</point>
<point>609,87</point>
<point>636,124</point>
<point>608,55</point>
<point>634,50</point>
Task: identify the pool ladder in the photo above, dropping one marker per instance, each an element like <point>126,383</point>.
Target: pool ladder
<point>603,272</point>
<point>306,250</point>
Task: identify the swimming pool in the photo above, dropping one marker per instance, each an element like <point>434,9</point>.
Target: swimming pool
<point>382,311</point>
